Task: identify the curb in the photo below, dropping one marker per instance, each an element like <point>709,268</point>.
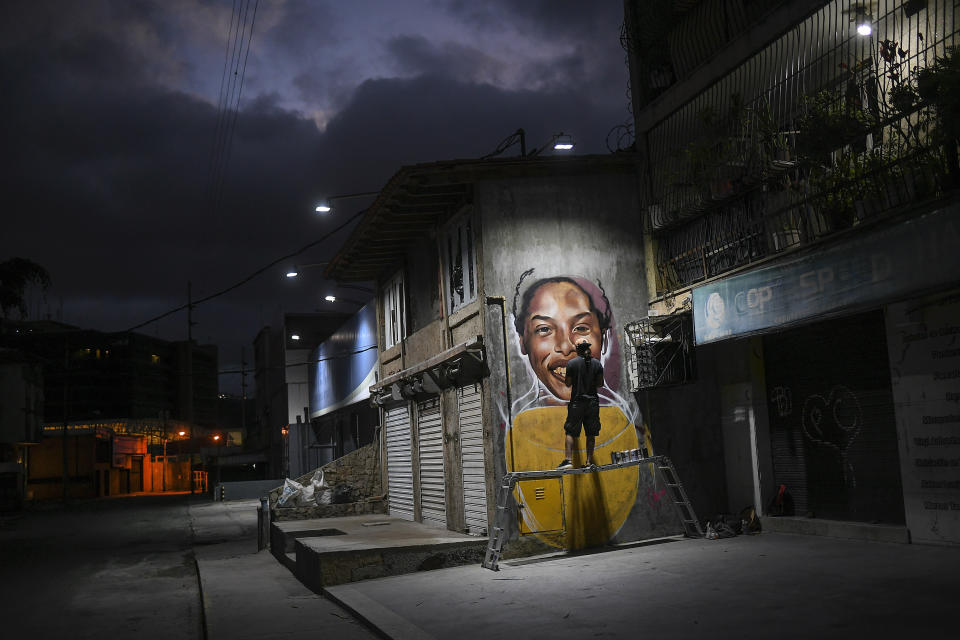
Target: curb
<point>382,621</point>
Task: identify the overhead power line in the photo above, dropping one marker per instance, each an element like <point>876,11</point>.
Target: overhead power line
<point>253,275</point>
<point>237,49</point>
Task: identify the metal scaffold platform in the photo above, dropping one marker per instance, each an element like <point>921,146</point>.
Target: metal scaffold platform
<point>663,467</point>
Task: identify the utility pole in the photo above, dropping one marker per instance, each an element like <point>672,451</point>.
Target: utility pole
<point>188,409</point>
<point>243,392</point>
<point>66,366</point>
<point>190,323</point>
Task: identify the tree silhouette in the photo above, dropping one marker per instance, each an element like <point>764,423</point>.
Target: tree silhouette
<point>15,275</point>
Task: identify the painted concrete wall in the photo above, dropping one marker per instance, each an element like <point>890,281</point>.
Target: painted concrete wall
<point>923,340</point>
<point>716,429</point>
<point>585,230</point>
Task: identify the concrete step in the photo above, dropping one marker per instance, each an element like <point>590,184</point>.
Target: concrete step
<point>334,551</point>
<point>836,529</point>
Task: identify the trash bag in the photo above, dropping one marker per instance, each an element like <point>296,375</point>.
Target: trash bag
<point>342,494</point>
<point>749,522</point>
<point>295,494</point>
<point>710,534</point>
<point>290,493</point>
<point>320,494</point>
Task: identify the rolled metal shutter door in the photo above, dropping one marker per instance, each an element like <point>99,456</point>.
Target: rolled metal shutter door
<point>399,464</point>
<point>471,459</point>
<point>433,508</point>
<point>832,422</point>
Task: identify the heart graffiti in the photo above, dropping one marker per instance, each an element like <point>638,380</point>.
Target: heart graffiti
<point>834,422</point>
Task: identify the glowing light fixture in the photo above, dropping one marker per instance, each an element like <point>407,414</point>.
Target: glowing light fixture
<point>295,336</point>
<point>863,26</point>
<point>330,298</point>
<point>325,206</point>
<point>563,142</point>
<point>216,437</point>
<point>292,274</point>
<point>182,433</point>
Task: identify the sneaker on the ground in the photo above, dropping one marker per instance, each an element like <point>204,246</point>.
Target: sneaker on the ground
<point>566,464</point>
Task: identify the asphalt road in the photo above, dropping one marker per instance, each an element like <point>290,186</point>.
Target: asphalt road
<point>115,568</point>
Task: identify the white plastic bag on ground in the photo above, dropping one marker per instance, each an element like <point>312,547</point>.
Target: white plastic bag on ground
<point>290,494</point>
<point>319,492</point>
<point>295,494</point>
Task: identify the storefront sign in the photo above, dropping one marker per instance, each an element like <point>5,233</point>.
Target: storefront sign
<point>344,366</point>
<point>890,263</point>
<point>923,338</point>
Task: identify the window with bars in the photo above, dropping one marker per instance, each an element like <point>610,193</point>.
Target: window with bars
<point>460,271</point>
<point>394,309</point>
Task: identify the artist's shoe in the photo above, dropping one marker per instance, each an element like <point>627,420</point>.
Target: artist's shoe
<point>591,465</point>
<point>566,464</point>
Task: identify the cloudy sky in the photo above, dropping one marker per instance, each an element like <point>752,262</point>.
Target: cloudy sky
<point>120,182</point>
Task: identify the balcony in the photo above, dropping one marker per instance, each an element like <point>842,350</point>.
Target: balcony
<point>766,161</point>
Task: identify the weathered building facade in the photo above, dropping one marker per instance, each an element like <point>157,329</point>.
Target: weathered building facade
<point>487,272</point>
<point>798,190</point>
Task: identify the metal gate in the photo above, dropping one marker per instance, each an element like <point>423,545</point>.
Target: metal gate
<point>832,424</point>
<point>471,459</point>
<point>433,508</point>
<point>399,466</point>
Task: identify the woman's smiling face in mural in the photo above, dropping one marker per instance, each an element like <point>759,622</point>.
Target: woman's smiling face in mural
<point>558,316</point>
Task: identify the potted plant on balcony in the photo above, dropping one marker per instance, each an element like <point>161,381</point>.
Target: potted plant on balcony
<point>943,80</point>
<point>773,142</point>
<point>830,134</point>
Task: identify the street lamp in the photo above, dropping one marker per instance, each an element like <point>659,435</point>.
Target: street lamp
<point>863,21</point>
<point>559,142</point>
<point>297,268</point>
<point>563,142</point>
<point>325,205</point>
<point>332,298</point>
<point>218,440</point>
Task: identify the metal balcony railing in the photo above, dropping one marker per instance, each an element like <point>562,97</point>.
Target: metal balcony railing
<point>820,132</point>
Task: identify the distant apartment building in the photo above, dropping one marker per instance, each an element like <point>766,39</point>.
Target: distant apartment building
<point>110,389</point>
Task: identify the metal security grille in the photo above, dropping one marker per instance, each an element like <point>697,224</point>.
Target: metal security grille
<point>662,351</point>
<point>820,130</point>
<point>471,459</point>
<point>399,466</point>
<point>832,423</point>
<point>433,508</point>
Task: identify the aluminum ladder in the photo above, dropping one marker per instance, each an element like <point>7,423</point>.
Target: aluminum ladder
<point>662,466</point>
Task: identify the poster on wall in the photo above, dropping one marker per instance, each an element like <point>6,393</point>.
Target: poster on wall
<point>345,364</point>
<point>923,339</point>
<point>549,315</point>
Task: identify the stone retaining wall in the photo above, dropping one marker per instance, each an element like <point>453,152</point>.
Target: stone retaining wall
<point>358,473</point>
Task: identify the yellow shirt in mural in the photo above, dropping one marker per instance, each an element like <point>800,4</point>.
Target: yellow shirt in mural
<point>573,511</point>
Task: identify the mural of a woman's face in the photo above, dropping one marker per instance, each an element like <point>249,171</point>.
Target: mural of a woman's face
<point>559,314</point>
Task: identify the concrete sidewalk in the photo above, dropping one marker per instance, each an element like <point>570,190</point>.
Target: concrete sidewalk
<point>769,585</point>
<point>764,586</point>
<point>248,594</point>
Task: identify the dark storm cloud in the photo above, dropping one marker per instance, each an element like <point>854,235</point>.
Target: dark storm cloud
<point>559,19</point>
<point>107,162</point>
<point>590,57</point>
<point>417,55</point>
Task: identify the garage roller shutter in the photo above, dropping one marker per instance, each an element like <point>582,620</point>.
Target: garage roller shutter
<point>432,495</point>
<point>471,452</point>
<point>399,466</point>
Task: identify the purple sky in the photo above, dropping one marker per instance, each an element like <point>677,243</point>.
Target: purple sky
<point>111,108</point>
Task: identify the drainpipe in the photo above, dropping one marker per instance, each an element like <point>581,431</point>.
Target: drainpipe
<point>501,301</point>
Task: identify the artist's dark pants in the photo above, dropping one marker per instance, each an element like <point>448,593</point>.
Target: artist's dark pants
<point>583,413</point>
